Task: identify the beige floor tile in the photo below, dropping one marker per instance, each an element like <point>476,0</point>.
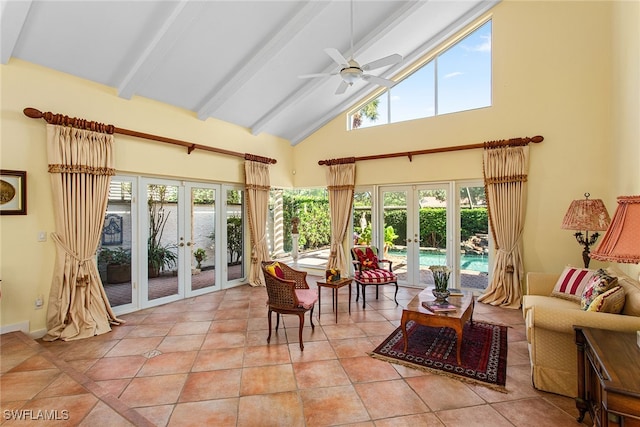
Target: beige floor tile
<point>267,379</point>
<point>266,355</point>
<point>332,406</point>
<point>151,391</point>
<point>524,412</point>
<point>323,373</point>
<point>365,368</point>
<point>223,340</point>
<point>190,328</point>
<point>168,363</point>
<point>384,399</point>
<point>474,416</point>
<point>211,385</point>
<point>111,368</point>
<point>158,415</point>
<point>225,358</point>
<point>102,412</point>
<point>450,394</point>
<point>222,412</point>
<point>134,346</point>
<point>278,409</point>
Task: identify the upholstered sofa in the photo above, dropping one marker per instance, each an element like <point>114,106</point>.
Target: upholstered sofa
<point>549,324</point>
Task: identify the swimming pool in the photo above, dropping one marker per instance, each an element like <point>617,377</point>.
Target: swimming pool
<point>478,263</point>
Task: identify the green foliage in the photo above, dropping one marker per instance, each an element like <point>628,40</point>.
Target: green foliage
<point>312,209</point>
<point>200,255</point>
<point>160,256</point>
<point>117,256</point>
<point>234,239</point>
<point>390,236</point>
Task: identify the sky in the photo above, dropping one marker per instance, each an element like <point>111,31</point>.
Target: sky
<point>463,83</point>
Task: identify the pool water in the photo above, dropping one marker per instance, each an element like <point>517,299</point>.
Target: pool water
<point>478,263</point>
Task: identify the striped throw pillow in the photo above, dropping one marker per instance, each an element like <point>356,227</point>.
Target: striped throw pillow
<point>572,282</point>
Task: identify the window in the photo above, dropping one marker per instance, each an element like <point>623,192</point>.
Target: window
<point>456,79</point>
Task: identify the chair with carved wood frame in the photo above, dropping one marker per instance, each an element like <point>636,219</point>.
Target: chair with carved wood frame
<point>368,271</point>
<point>288,294</point>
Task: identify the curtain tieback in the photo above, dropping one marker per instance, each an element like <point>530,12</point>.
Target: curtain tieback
<point>82,279</point>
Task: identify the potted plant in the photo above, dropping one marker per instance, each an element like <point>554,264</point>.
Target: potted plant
<point>389,237</point>
<point>159,255</point>
<point>441,275</point>
<point>118,264</point>
<point>200,255</point>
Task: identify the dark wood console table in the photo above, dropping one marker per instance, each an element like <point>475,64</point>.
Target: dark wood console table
<point>608,377</point>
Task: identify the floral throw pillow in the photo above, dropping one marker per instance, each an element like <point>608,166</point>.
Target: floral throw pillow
<point>600,283</point>
<point>368,259</point>
<point>611,301</point>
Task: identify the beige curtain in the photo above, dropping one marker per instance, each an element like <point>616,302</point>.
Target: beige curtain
<point>80,168</point>
<point>341,179</point>
<point>505,174</point>
<point>257,185</point>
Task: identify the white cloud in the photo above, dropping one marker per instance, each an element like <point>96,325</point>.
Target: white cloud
<point>454,74</point>
<point>395,97</point>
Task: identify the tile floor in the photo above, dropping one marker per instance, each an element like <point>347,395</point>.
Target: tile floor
<point>204,361</point>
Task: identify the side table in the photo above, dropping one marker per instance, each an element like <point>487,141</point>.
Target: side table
<point>608,377</point>
<point>335,286</point>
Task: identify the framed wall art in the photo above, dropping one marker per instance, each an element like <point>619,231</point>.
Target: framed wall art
<point>13,192</point>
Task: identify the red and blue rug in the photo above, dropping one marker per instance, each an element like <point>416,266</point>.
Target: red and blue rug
<point>483,353</point>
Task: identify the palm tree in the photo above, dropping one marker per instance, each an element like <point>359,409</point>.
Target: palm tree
<point>370,111</point>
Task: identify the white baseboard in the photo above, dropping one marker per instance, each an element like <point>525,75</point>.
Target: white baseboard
<point>22,326</point>
<point>37,334</point>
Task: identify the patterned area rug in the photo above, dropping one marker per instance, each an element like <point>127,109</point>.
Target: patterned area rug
<point>483,353</point>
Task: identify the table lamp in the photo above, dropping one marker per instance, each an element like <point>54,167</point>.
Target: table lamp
<point>621,242</point>
<point>586,215</point>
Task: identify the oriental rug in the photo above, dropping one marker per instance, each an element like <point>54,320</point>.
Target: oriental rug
<point>433,349</point>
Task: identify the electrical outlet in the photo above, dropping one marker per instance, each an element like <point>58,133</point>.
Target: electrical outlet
<point>39,303</point>
<point>42,236</point>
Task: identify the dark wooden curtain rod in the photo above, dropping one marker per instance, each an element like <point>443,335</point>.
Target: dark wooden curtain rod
<point>59,119</point>
<point>490,144</point>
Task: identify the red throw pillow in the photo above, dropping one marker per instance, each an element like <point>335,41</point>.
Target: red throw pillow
<point>368,260</point>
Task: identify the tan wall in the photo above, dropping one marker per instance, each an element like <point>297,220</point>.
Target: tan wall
<point>551,77</point>
<point>27,265</point>
<point>625,105</point>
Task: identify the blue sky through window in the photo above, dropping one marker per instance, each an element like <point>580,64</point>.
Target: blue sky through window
<point>463,83</point>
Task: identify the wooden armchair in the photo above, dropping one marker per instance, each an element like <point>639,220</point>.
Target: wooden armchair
<point>369,270</point>
<point>288,293</point>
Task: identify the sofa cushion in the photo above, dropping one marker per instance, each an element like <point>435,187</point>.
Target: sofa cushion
<point>631,291</point>
<point>368,259</point>
<point>571,283</point>
<point>600,283</point>
<point>611,301</point>
<point>275,270</point>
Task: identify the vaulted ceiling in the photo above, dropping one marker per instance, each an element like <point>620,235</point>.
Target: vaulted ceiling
<point>237,61</point>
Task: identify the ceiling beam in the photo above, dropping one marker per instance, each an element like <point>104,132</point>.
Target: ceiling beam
<point>428,45</point>
<point>180,20</point>
<point>254,61</point>
<point>378,32</point>
<point>14,15</point>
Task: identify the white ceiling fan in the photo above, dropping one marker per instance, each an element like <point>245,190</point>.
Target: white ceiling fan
<point>351,71</point>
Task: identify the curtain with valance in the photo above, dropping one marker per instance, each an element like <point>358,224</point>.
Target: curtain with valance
<point>341,180</point>
<point>257,184</point>
<point>80,168</point>
<point>505,180</point>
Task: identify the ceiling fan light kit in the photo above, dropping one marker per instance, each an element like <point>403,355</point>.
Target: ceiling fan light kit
<point>351,71</point>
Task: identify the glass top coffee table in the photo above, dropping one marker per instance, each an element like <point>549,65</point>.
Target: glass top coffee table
<point>462,312</point>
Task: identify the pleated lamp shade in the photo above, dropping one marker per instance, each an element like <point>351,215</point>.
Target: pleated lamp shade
<point>586,215</point>
<point>621,243</point>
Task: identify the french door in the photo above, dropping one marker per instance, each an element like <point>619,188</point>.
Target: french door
<point>423,235</point>
<point>181,239</point>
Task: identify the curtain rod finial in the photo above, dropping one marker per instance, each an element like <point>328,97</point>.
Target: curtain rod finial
<point>32,113</point>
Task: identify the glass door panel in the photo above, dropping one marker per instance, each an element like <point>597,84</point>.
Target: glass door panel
<point>433,231</point>
<point>117,246</point>
<point>402,250</point>
<point>474,237</point>
<point>201,238</point>
<point>235,233</point>
<point>163,242</point>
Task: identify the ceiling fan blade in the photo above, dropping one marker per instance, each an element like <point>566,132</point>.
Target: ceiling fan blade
<point>382,62</point>
<point>378,80</point>
<point>337,56</point>
<point>342,87</point>
<point>312,76</point>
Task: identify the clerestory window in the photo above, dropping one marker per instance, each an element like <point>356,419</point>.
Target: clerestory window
<point>453,80</point>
